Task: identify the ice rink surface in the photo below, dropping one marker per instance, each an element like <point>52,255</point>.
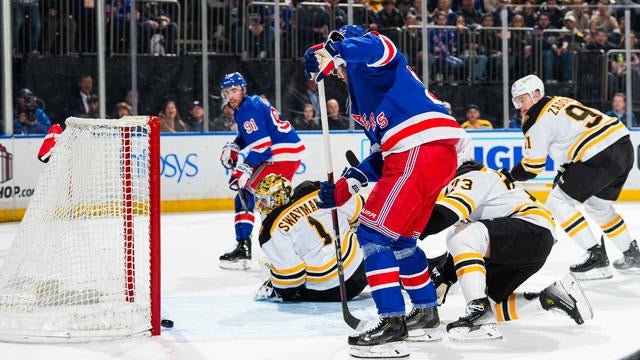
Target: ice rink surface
<point>216,318</point>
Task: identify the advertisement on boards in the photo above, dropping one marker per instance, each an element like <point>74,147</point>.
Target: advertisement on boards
<point>191,168</point>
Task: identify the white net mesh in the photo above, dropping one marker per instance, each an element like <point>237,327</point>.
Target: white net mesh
<point>79,266</point>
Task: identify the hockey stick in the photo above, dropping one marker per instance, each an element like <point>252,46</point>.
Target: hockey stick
<point>351,320</point>
<point>243,202</point>
<point>352,159</point>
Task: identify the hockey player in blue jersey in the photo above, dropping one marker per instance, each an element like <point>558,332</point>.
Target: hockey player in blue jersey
<point>273,148</point>
<point>414,142</point>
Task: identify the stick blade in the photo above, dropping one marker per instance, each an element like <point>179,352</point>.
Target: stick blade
<point>353,322</point>
<point>352,159</point>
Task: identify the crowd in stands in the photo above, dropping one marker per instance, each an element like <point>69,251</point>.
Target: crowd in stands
<point>543,35</point>
<point>69,26</point>
<point>465,42</point>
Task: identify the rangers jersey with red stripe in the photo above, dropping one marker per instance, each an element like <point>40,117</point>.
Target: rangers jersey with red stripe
<point>261,129</point>
<point>388,100</point>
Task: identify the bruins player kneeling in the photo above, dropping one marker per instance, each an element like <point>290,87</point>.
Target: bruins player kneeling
<point>502,237</point>
<point>296,237</point>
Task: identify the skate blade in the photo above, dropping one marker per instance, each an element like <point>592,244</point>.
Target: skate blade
<point>392,350</point>
<point>594,274</point>
<point>572,286</point>
<point>235,265</point>
<point>485,332</point>
<point>424,335</point>
<point>630,271</point>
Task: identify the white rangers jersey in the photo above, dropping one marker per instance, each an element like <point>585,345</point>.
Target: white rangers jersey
<point>479,193</point>
<point>567,131</point>
<point>298,241</point>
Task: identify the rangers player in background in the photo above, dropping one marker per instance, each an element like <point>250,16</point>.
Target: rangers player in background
<point>295,239</point>
<point>414,156</point>
<point>595,155</point>
<point>273,147</point>
<point>502,237</point>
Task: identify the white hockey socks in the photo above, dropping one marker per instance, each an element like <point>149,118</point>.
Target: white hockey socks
<point>570,219</point>
<point>518,305</point>
<point>468,245</point>
<point>611,223</point>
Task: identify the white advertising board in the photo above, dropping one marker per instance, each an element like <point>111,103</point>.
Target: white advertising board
<point>194,179</point>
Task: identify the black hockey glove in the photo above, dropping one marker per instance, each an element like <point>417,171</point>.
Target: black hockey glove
<point>561,169</point>
<point>443,275</point>
<point>507,175</point>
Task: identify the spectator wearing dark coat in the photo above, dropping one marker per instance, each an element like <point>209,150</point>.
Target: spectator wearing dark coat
<point>78,105</point>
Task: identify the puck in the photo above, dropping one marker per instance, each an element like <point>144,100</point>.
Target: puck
<point>166,323</point>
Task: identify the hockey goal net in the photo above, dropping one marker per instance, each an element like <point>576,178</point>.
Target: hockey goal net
<point>84,264</point>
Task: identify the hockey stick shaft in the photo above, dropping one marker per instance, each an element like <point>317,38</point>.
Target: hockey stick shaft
<point>351,320</point>
<point>243,202</point>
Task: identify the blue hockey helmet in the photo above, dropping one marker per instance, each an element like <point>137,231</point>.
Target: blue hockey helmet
<point>233,79</point>
<point>347,31</point>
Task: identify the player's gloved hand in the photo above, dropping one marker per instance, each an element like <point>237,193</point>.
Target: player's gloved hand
<point>558,179</point>
<point>229,155</point>
<point>267,292</point>
<point>327,59</point>
<point>507,175</point>
<point>240,176</point>
<point>333,195</point>
<point>311,64</point>
<point>443,275</point>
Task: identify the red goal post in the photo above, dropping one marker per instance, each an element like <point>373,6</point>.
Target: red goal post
<point>85,262</point>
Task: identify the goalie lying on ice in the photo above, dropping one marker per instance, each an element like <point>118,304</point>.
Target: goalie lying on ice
<point>502,237</point>
<point>296,238</point>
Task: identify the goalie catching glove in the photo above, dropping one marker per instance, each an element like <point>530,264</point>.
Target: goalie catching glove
<point>240,176</point>
<point>320,60</point>
<point>229,155</point>
<point>333,195</point>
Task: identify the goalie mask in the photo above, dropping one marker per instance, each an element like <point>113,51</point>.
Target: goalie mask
<point>526,85</point>
<point>272,192</point>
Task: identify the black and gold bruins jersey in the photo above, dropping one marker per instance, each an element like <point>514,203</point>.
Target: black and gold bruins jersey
<point>298,241</point>
<point>483,194</point>
<point>567,131</point>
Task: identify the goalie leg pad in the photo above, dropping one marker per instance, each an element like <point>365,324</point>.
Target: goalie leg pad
<point>392,350</point>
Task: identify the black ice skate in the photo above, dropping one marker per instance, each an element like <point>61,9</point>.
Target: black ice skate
<point>422,324</point>
<point>594,265</point>
<point>479,324</point>
<point>239,258</point>
<point>385,340</point>
<point>566,297</point>
<point>630,260</point>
